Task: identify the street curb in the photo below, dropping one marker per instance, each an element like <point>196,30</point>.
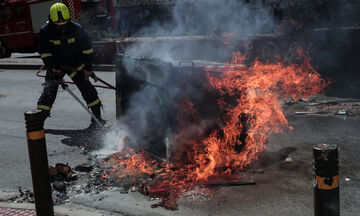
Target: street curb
<point>59,210</point>
<point>99,67</point>
<point>22,206</point>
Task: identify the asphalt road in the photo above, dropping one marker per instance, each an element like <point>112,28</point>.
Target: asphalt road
<point>281,188</point>
<point>19,92</point>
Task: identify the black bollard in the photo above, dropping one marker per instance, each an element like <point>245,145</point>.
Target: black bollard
<point>326,180</point>
<point>39,162</point>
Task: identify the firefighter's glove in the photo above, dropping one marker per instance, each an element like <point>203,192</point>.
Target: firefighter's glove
<point>90,74</point>
<point>56,73</point>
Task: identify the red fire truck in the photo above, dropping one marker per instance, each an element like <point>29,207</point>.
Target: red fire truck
<point>21,20</point>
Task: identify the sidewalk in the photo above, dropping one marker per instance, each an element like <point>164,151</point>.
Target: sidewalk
<point>28,209</point>
<point>34,63</point>
<point>18,212</point>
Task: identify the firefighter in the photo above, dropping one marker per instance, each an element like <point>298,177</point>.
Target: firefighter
<point>65,48</point>
<point>103,18</point>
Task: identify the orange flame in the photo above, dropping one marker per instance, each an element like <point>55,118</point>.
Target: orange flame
<point>132,163</point>
<point>258,90</point>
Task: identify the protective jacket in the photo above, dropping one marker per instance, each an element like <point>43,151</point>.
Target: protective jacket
<point>68,47</point>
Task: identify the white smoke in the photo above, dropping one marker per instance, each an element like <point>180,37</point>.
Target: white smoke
<point>114,140</point>
<point>209,18</point>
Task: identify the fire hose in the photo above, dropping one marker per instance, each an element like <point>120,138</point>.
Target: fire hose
<point>108,86</point>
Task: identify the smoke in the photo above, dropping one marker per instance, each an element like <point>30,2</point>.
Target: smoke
<point>207,16</point>
<point>204,19</point>
<point>115,140</point>
<point>333,30</point>
<point>158,75</point>
<point>157,86</point>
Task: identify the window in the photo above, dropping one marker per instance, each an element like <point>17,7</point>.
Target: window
<point>20,12</point>
<point>5,14</point>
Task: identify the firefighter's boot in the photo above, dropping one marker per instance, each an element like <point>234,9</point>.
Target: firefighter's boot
<point>96,110</point>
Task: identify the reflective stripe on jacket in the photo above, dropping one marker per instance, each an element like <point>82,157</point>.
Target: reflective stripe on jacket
<point>71,47</point>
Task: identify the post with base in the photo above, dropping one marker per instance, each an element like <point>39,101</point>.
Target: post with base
<point>39,162</point>
<point>326,180</point>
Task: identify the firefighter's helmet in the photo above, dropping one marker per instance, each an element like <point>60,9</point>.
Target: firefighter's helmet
<point>59,13</point>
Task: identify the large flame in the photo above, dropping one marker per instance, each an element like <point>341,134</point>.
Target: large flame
<point>252,114</point>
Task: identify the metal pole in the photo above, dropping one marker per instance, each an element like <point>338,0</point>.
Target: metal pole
<point>66,87</point>
<point>326,180</point>
<point>121,78</point>
<point>39,162</point>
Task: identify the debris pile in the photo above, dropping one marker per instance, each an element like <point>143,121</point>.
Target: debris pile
<point>60,177</point>
<point>350,107</point>
<point>87,180</point>
<point>61,172</point>
<point>24,196</point>
<point>197,194</point>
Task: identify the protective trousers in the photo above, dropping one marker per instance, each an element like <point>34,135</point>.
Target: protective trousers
<point>87,90</point>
